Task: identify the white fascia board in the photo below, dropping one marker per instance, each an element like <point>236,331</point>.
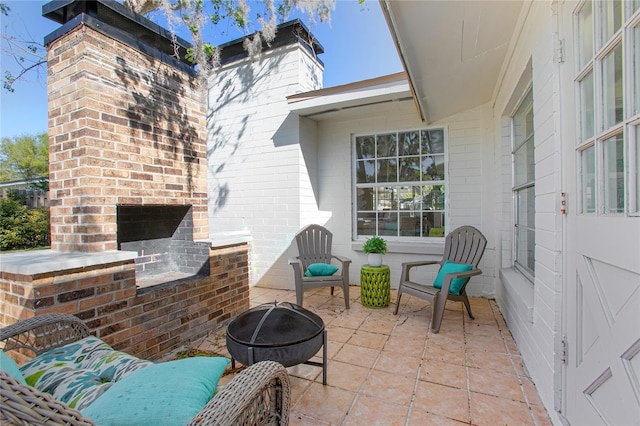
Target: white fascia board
<point>351,98</point>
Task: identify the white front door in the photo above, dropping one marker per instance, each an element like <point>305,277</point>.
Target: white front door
<point>603,324</point>
<point>601,383</point>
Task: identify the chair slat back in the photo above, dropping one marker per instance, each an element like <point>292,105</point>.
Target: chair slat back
<point>314,245</point>
<point>464,245</point>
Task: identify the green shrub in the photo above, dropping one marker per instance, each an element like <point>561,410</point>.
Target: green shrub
<point>22,228</point>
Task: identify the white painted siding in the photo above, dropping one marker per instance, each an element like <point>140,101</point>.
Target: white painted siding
<point>533,312</point>
<point>257,171</point>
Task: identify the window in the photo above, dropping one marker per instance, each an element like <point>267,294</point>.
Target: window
<point>522,143</point>
<point>608,86</point>
<point>400,184</point>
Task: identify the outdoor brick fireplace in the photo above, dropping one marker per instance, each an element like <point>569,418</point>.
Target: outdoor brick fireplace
<point>128,192</point>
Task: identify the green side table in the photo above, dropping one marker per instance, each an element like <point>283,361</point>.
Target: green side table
<point>375,286</point>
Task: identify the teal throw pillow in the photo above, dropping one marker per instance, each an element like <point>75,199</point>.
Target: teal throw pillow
<point>9,366</point>
<point>320,270</point>
<point>456,283</point>
<point>164,394</point>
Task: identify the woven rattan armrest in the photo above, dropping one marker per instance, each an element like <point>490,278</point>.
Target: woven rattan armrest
<point>42,333</point>
<point>258,395</point>
<point>24,405</point>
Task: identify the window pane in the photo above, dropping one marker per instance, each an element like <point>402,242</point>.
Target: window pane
<point>525,227</point>
<point>610,19</point>
<point>410,143</point>
<point>433,167</point>
<point>588,180</point>
<point>366,224</point>
<point>614,175</point>
<point>409,169</point>
<point>612,88</point>
<point>635,69</point>
<point>365,147</point>
<point>433,197</point>
<point>523,164</point>
<point>585,34</point>
<point>387,170</point>
<point>410,224</point>
<point>386,199</point>
<point>410,198</point>
<point>636,170</point>
<point>432,141</point>
<point>433,224</point>
<point>587,126</point>
<point>388,223</point>
<point>387,145</point>
<point>365,171</point>
<point>365,199</point>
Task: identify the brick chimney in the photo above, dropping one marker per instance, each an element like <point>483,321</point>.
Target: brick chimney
<point>126,126</point>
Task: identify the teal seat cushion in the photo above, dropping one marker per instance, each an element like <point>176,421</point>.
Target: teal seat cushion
<point>320,270</point>
<point>164,394</point>
<point>79,372</point>
<point>456,283</point>
<point>9,366</point>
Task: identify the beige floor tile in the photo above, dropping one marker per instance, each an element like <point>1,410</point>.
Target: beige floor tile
<point>369,411</point>
<point>368,386</point>
<point>486,343</point>
<point>305,371</point>
<point>444,374</point>
<point>299,419</point>
<point>383,325</point>
<point>345,376</point>
<point>298,387</point>
<point>349,320</point>
<point>357,355</point>
<point>325,403</point>
<point>443,400</point>
<point>398,363</point>
<point>494,361</point>
<point>339,334</point>
<point>423,418</point>
<point>452,354</point>
<point>492,410</point>
<point>479,329</point>
<point>495,383</point>
<point>368,340</point>
<point>405,345</point>
<point>389,387</point>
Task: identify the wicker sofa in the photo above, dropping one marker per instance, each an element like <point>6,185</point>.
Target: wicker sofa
<point>258,395</point>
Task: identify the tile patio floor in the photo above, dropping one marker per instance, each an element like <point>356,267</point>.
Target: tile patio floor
<point>386,369</point>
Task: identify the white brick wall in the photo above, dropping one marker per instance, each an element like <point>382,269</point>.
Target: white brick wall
<point>256,165</point>
<point>533,312</point>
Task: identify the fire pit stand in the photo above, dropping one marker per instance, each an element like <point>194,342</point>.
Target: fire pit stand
<point>278,331</point>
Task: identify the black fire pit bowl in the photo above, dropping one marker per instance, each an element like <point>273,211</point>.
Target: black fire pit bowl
<point>278,331</point>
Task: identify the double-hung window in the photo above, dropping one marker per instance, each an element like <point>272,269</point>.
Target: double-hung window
<point>400,184</point>
<point>608,104</point>
<point>522,142</point>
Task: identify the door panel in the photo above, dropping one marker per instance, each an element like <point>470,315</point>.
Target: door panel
<point>603,322</point>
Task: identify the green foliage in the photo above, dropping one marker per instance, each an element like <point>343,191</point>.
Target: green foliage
<point>24,157</point>
<point>375,245</point>
<point>22,228</point>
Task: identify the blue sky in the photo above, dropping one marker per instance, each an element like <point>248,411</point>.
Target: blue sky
<point>357,46</point>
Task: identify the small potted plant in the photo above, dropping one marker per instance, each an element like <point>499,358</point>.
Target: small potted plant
<point>375,247</point>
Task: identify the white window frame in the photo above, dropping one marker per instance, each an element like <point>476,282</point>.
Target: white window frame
<point>628,126</point>
<point>420,211</point>
<point>520,187</point>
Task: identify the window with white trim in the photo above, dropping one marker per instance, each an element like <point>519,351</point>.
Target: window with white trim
<point>523,148</point>
<point>400,184</point>
<point>608,86</point>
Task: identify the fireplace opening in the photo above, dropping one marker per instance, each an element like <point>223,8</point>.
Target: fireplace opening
<point>162,235</point>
